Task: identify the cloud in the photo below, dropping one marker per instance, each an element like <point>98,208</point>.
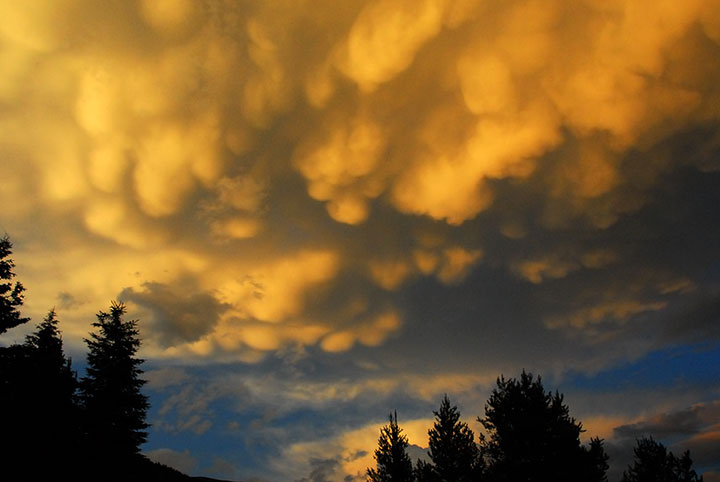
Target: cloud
<point>693,428</point>
<point>191,407</point>
<point>352,450</point>
<point>612,311</point>
<point>162,378</point>
<point>416,188</point>
<point>322,470</point>
<point>177,314</point>
<point>553,267</point>
<point>703,447</point>
<point>385,38</point>
<point>685,422</point>
<point>438,123</point>
<point>698,322</point>
<point>67,301</point>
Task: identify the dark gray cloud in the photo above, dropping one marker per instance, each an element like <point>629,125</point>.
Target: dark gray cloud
<point>322,470</point>
<point>176,314</point>
<point>668,425</point>
<point>695,428</point>
<point>67,301</point>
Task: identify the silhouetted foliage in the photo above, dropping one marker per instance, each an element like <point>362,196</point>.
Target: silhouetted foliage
<point>532,436</point>
<point>594,461</point>
<point>41,397</point>
<point>52,397</point>
<point>114,407</point>
<point>11,295</point>
<point>654,463</point>
<point>424,471</point>
<point>52,369</point>
<point>393,462</point>
<point>49,430</point>
<point>454,454</point>
<point>14,377</point>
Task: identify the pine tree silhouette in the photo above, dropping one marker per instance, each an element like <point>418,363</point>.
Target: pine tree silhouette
<point>51,400</point>
<point>393,462</point>
<point>40,397</point>
<point>654,463</point>
<point>454,454</point>
<point>11,295</point>
<point>532,436</point>
<point>114,407</point>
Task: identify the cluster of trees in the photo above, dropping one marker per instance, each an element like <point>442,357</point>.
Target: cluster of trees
<point>56,426</point>
<point>529,437</point>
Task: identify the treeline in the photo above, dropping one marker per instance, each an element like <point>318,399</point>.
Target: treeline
<point>529,437</point>
<point>56,426</point>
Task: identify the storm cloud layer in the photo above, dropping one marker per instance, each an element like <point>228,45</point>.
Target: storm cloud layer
<point>445,189</point>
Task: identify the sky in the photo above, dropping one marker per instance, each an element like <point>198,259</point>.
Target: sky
<point>320,212</point>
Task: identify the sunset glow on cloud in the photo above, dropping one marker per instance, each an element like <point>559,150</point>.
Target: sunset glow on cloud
<point>321,192</point>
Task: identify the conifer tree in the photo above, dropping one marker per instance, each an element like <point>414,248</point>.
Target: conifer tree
<point>654,463</point>
<point>532,436</point>
<point>39,397</point>
<point>50,400</point>
<point>114,407</point>
<point>393,462</point>
<point>11,295</point>
<point>49,359</point>
<point>454,454</point>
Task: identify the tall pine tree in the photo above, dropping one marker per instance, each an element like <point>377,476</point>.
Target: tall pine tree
<point>39,396</point>
<point>14,379</point>
<point>454,454</point>
<point>11,294</point>
<point>393,462</point>
<point>114,406</point>
<point>52,422</point>
<point>53,370</point>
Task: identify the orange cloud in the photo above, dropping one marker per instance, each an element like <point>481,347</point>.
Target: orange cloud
<point>385,38</point>
<point>617,311</point>
<point>159,127</point>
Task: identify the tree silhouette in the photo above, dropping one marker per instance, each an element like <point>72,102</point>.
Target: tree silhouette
<point>532,436</point>
<point>594,461</point>
<point>11,295</point>
<point>40,397</point>
<point>393,462</point>
<point>53,420</point>
<point>14,384</point>
<point>454,454</point>
<point>653,463</point>
<point>53,370</point>
<point>114,407</point>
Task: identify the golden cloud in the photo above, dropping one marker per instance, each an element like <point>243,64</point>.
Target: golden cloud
<point>172,127</point>
<point>556,266</point>
<point>274,292</point>
<point>385,38</point>
<point>616,311</point>
<point>370,333</point>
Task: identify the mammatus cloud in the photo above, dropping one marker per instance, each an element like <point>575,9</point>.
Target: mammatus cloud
<point>374,201</point>
<point>303,170</point>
